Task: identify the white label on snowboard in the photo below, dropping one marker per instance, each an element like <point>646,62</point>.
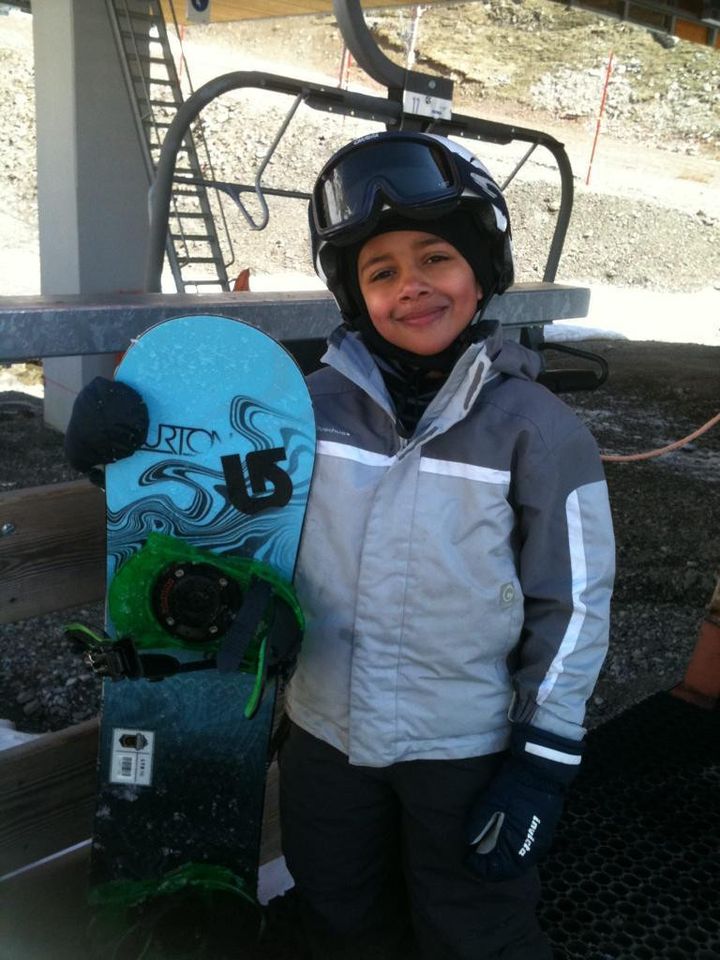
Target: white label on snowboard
<point>132,756</point>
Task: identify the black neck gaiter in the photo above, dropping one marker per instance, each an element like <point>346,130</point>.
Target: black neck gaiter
<point>411,390</point>
<point>413,380</point>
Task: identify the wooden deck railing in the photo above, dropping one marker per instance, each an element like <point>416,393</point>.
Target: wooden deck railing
<point>52,557</point>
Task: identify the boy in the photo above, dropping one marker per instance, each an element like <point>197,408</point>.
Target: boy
<point>455,573</point>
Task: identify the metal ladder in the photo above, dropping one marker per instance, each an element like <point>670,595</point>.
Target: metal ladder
<point>193,246</point>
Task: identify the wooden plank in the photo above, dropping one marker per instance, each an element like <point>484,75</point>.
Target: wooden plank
<point>52,553</point>
<point>47,797</point>
<point>689,30</point>
<point>47,790</point>
<point>230,10</point>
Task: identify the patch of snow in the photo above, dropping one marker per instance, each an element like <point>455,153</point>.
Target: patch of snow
<point>10,737</point>
<point>274,880</point>
<point>276,282</point>
<point>10,381</point>
<point>639,314</point>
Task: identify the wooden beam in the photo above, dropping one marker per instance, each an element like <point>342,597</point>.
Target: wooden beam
<point>52,549</point>
<point>47,797</point>
<point>47,792</point>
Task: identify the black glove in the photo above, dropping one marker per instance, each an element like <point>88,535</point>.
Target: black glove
<point>109,422</point>
<point>511,825</point>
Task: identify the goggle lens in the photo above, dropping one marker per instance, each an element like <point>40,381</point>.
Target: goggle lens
<point>407,173</point>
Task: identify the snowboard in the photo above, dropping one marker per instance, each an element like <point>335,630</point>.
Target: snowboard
<point>203,527</point>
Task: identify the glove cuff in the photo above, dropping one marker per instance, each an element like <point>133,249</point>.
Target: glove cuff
<point>556,758</point>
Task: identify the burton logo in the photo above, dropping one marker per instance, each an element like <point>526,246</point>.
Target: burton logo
<point>262,469</point>
<point>182,441</point>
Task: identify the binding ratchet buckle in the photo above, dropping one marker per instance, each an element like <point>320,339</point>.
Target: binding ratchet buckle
<point>121,659</point>
<point>116,660</point>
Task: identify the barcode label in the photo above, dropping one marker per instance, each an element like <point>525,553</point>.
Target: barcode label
<point>132,756</point>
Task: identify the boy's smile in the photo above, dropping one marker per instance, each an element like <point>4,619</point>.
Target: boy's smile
<point>420,292</point>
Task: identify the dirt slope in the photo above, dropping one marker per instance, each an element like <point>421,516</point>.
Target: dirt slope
<point>649,218</point>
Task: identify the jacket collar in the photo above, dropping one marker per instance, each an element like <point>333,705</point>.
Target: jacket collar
<point>348,355</point>
<point>457,395</point>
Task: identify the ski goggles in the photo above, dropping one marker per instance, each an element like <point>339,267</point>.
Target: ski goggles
<point>415,176</point>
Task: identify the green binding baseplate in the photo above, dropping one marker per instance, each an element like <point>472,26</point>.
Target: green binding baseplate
<point>133,603</point>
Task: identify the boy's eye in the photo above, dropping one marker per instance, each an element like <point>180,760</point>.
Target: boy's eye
<point>380,274</point>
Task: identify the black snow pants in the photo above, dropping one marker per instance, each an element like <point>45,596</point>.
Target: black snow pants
<point>377,858</point>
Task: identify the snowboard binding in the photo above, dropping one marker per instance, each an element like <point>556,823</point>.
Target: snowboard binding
<point>197,912</point>
<point>237,613</point>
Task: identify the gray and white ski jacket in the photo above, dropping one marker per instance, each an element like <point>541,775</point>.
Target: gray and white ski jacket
<point>455,580</point>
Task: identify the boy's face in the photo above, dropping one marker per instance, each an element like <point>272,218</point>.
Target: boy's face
<point>420,292</point>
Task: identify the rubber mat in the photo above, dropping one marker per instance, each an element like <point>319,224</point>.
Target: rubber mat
<point>635,870</point>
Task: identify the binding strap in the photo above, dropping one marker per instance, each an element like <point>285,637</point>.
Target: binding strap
<point>265,613</point>
<point>234,645</point>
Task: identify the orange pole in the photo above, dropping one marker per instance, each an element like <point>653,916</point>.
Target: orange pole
<point>345,63</point>
<point>603,99</point>
<point>701,684</point>
<point>182,52</point>
<point>242,281</point>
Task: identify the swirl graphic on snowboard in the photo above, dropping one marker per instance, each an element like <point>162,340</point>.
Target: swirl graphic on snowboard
<point>245,495</point>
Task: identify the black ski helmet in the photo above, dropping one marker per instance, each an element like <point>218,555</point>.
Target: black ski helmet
<point>398,181</point>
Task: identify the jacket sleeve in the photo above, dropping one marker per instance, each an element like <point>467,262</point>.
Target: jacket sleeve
<point>566,554</point>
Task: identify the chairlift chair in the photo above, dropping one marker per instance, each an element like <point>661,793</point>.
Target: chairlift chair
<point>414,101</point>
